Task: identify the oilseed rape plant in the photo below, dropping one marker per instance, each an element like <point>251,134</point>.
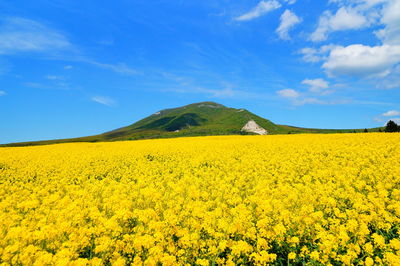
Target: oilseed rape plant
<point>313,199</point>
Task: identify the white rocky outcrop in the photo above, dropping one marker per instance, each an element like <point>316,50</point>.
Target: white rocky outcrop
<point>253,127</point>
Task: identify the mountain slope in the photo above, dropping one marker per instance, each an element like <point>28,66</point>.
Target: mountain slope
<point>198,119</point>
<point>205,118</point>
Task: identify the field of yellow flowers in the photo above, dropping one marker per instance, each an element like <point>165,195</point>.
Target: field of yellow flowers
<point>318,199</point>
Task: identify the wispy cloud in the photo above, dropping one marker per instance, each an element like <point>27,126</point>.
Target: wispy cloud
<point>120,68</point>
<point>2,93</point>
<point>224,92</point>
<point>391,113</point>
<point>219,89</point>
<point>310,55</point>
<point>35,85</point>
<point>104,100</point>
<point>313,100</point>
<point>288,20</point>
<point>383,121</point>
<point>314,55</point>
<point>315,94</point>
<point>262,8</point>
<point>316,85</point>
<point>25,35</point>
<point>21,35</point>
<point>50,82</point>
<point>386,116</point>
<point>391,19</point>
<point>288,93</point>
<point>55,77</point>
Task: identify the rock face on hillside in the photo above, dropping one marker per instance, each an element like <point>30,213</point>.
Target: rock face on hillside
<point>253,127</point>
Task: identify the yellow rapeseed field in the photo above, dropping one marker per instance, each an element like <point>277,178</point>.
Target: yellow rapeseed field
<point>318,199</point>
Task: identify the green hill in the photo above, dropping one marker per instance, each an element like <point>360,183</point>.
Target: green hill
<point>198,119</point>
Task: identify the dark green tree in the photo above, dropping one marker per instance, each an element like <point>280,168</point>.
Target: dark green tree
<point>391,126</point>
<point>365,130</point>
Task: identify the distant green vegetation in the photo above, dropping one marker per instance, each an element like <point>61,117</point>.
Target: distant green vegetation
<point>391,126</point>
<point>198,119</point>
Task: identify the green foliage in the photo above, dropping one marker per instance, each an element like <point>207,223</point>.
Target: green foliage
<point>391,126</point>
<point>184,121</point>
<point>158,123</point>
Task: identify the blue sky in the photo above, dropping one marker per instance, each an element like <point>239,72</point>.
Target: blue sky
<point>76,68</point>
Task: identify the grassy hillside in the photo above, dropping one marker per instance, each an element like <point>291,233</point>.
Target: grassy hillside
<point>294,130</point>
<point>198,119</point>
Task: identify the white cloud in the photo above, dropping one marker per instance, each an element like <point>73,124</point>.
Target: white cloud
<point>391,19</point>
<point>262,8</point>
<point>104,100</point>
<point>288,20</point>
<point>290,2</point>
<point>396,120</point>
<point>25,35</point>
<point>54,77</point>
<point>223,93</point>
<point>361,4</point>
<point>317,88</point>
<point>346,18</point>
<point>313,100</point>
<point>316,85</point>
<point>372,12</point>
<point>380,120</point>
<point>288,93</point>
<point>308,101</point>
<point>361,60</point>
<point>391,81</point>
<point>310,54</point>
<point>391,113</point>
<point>2,93</point>
<point>34,85</point>
<point>315,55</point>
<point>120,68</point>
<point>320,34</point>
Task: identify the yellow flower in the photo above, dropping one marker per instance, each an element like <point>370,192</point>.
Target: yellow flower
<point>264,257</point>
<point>369,261</point>
<point>294,240</point>
<point>292,256</point>
<point>314,255</point>
<point>369,248</point>
<point>169,260</point>
<point>395,244</point>
<point>379,240</point>
<point>391,259</point>
<point>241,247</point>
